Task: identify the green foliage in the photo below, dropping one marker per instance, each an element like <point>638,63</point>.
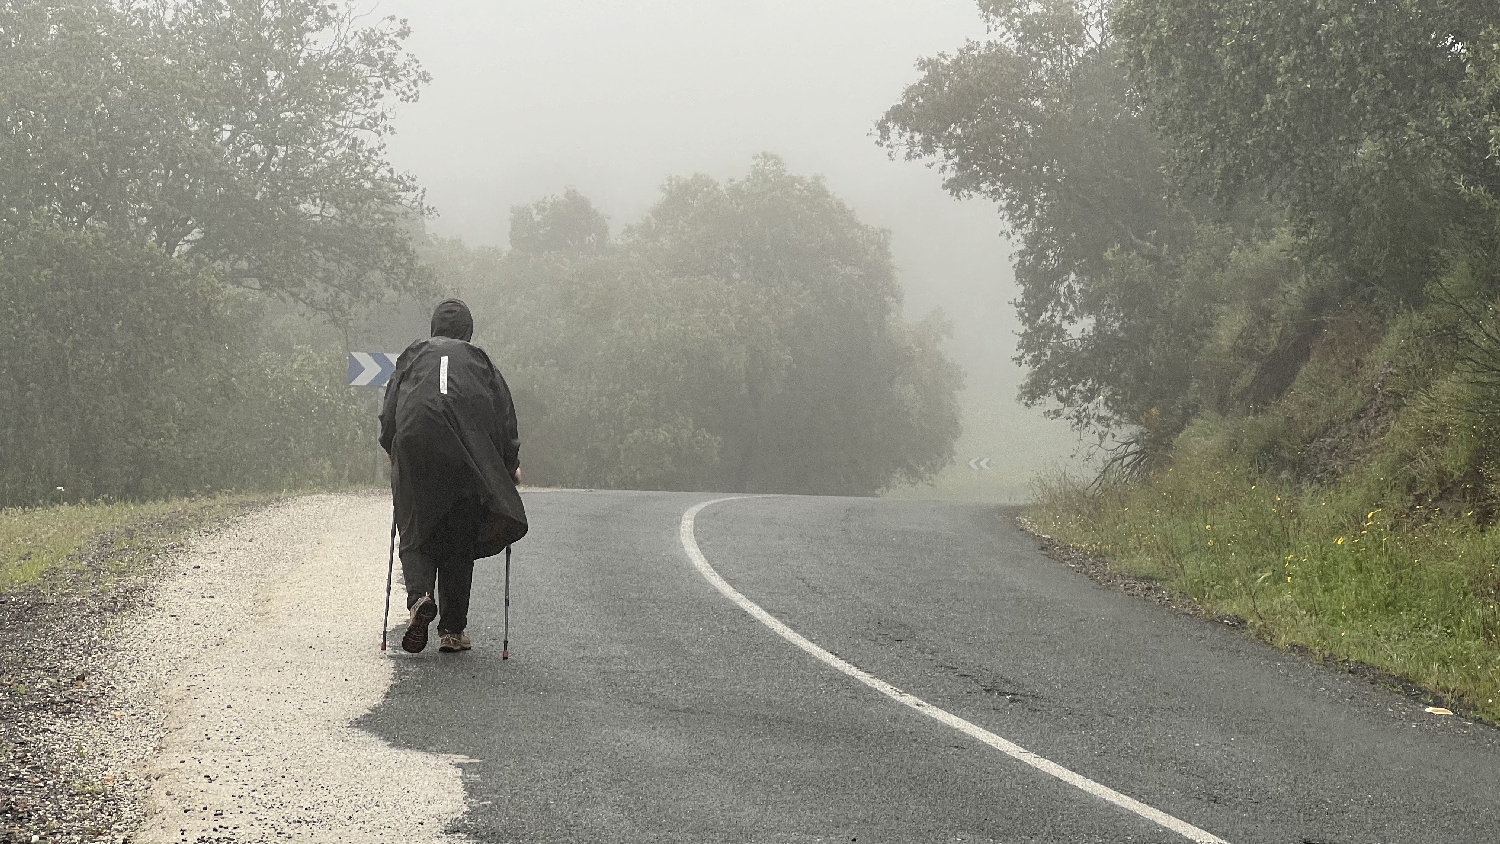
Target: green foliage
<point>128,374</point>
<point>1348,516</point>
<point>1372,122</point>
<point>1349,145</point>
<point>289,421</point>
<point>565,224</point>
<point>614,368</point>
<point>244,134</point>
<point>835,395</point>
<point>744,336</point>
<point>1412,591</point>
<point>161,164</point>
<point>1039,119</point>
<point>100,331</point>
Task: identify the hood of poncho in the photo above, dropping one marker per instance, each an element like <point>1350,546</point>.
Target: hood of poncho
<point>451,318</point>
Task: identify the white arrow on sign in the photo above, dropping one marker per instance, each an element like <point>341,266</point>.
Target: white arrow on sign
<point>371,369</point>
<point>979,463</point>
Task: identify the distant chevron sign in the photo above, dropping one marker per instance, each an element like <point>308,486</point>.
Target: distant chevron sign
<point>371,369</point>
<point>979,463</point>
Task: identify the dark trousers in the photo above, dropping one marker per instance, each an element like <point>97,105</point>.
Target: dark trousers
<point>444,567</point>
<point>448,580</point>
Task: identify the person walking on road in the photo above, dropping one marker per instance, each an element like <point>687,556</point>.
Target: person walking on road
<point>449,427</point>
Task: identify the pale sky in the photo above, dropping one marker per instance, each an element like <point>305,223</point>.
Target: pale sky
<point>529,97</point>
<point>613,97</point>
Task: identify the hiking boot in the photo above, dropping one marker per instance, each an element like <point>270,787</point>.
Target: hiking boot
<point>454,642</point>
<point>422,614</point>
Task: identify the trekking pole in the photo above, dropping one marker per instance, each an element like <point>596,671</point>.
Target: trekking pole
<point>390,573</point>
<point>505,643</point>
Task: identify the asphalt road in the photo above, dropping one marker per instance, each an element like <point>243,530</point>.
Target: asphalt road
<point>641,704</point>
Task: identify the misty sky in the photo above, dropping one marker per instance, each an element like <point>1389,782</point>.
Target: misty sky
<point>528,98</point>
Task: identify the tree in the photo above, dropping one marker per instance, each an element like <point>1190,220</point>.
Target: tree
<point>838,395</point>
<point>158,162</point>
<point>247,135</point>
<point>126,373</point>
<point>744,336</point>
<point>564,224</point>
<point>1372,124</point>
<point>1039,118</point>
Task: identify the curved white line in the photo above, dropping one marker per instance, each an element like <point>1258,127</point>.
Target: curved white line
<point>1014,751</point>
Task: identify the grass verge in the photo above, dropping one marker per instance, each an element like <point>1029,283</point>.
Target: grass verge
<point>1414,592</point>
<point>106,539</point>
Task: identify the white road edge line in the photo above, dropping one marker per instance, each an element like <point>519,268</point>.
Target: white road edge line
<point>1014,751</point>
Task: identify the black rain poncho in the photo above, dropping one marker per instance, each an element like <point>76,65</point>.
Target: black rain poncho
<point>450,428</point>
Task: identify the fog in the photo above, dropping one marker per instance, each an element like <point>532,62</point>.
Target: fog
<point>527,99</point>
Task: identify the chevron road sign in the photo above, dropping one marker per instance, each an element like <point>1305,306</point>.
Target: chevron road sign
<point>979,463</point>
<point>371,369</point>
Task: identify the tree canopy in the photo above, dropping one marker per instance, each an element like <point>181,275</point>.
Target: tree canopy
<point>1038,118</point>
<point>244,134</point>
<point>1218,201</point>
<point>1372,124</point>
<point>746,335</point>
<point>174,178</point>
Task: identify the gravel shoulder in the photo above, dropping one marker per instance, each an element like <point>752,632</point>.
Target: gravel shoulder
<point>212,700</point>
<point>61,778</point>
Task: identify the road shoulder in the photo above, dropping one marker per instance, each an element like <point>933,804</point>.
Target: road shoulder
<point>65,778</point>
<point>214,702</point>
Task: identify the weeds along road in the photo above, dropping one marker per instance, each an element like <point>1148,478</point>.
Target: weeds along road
<point>643,704</point>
